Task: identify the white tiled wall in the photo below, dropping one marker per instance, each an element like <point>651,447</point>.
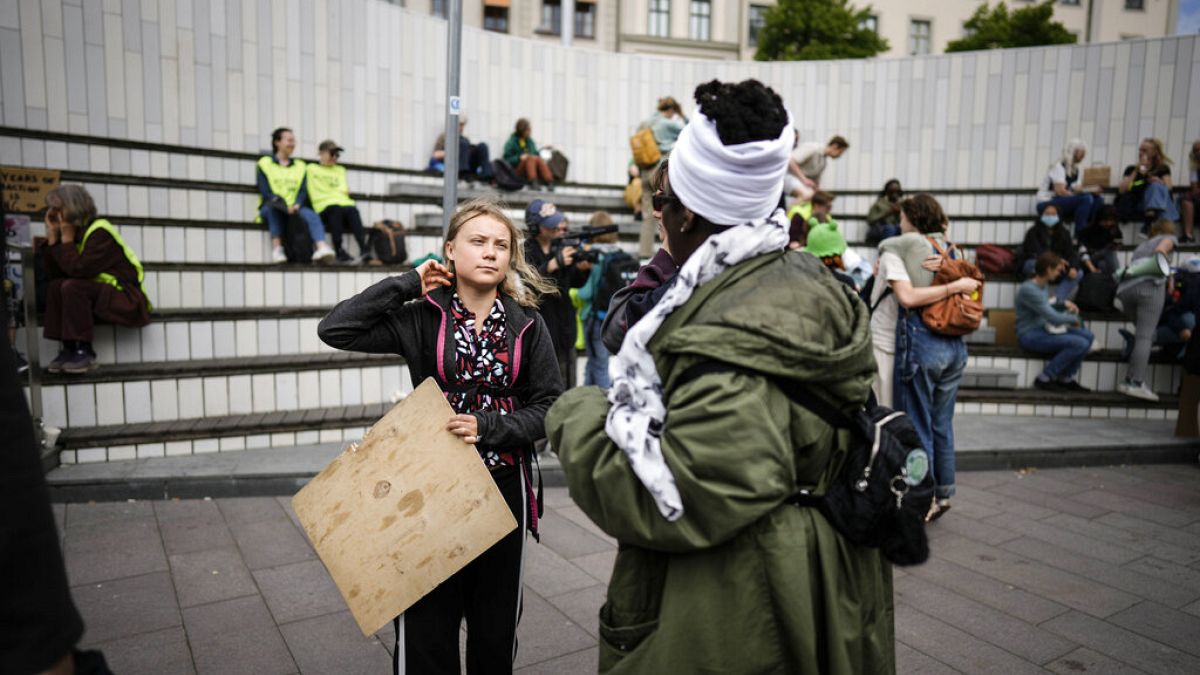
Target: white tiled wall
<point>144,71</point>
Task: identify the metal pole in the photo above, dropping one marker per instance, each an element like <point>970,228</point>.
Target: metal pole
<point>568,22</point>
<point>453,108</point>
<point>32,346</point>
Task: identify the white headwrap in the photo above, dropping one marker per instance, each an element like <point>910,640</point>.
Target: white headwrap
<point>725,184</point>
<point>728,184</point>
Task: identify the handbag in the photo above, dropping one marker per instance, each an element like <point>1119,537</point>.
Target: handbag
<point>958,313</point>
<point>645,149</point>
<point>994,259</point>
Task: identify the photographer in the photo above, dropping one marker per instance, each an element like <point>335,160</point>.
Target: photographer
<point>544,223</point>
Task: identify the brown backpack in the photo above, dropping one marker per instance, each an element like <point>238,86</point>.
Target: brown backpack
<point>959,313</point>
<point>645,148</point>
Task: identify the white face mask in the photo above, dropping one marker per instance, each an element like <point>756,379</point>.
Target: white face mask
<point>1050,221</point>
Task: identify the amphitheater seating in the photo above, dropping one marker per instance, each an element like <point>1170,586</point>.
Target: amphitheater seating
<point>232,360</point>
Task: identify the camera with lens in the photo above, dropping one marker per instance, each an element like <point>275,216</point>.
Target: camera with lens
<point>576,239</point>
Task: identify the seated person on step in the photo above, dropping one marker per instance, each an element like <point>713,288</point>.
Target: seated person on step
<point>1051,328</point>
<point>521,152</point>
<point>883,220</point>
<point>474,160</point>
<point>330,195</point>
<point>1100,242</point>
<point>1144,193</point>
<point>1048,233</point>
<point>282,184</point>
<point>93,275</point>
<point>1062,187</point>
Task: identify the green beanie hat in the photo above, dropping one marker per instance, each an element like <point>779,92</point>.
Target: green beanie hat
<point>825,240</point>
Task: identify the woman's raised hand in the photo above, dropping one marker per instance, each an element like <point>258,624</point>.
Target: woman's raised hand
<point>433,274</point>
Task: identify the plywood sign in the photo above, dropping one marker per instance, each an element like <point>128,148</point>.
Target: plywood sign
<point>25,189</point>
<point>402,512</point>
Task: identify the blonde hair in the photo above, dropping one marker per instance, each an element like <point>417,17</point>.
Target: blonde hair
<point>1159,150</point>
<point>522,282</point>
<point>77,205</point>
<point>1162,226</point>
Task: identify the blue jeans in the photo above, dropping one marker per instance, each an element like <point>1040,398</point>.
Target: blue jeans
<point>1066,350</point>
<point>929,368</point>
<point>277,219</point>
<point>1079,205</point>
<point>596,370</point>
<point>1158,196</point>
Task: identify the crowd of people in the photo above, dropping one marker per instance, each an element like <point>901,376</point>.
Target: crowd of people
<point>662,452</point>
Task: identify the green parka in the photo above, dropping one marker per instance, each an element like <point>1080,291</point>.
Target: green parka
<point>743,582</point>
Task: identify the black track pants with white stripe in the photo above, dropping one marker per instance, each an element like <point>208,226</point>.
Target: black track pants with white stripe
<point>487,592</point>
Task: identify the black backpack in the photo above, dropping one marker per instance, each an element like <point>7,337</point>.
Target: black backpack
<point>505,176</point>
<point>297,242</point>
<point>387,242</point>
<point>620,269</point>
<point>884,488</point>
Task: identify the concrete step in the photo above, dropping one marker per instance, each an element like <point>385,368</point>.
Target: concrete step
<point>202,436</point>
<point>129,395</point>
<point>984,442</point>
<point>989,378</point>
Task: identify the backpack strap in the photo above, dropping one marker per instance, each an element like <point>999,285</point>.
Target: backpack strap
<point>886,292</point>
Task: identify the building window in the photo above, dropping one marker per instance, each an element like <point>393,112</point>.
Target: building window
<point>495,19</point>
<point>1136,5</point>
<point>551,17</point>
<point>1069,2</point>
<point>700,20</point>
<point>585,19</point>
<point>660,18</point>
<point>758,19</point>
<point>918,37</point>
<point>441,8</point>
<point>870,23</point>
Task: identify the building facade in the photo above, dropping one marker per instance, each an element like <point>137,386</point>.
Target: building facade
<point>727,29</point>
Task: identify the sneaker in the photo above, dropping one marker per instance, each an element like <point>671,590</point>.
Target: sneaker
<point>937,509</point>
<point>1073,386</point>
<point>1095,346</point>
<point>1047,385</point>
<point>1137,390</point>
<point>323,255</point>
<point>57,364</point>
<point>343,257</point>
<point>79,361</point>
<point>278,256</point>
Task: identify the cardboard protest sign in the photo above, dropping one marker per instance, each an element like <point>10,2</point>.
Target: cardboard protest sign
<point>403,511</point>
<point>25,189</point>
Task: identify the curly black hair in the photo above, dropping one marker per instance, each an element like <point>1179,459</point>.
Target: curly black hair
<point>745,111</point>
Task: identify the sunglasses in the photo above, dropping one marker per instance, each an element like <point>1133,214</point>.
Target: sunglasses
<point>659,200</point>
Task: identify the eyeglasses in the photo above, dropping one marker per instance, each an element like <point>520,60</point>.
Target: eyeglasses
<point>660,199</point>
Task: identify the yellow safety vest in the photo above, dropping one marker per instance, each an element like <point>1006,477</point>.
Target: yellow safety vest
<point>804,209</point>
<point>105,277</point>
<point>285,181</point>
<point>327,186</point>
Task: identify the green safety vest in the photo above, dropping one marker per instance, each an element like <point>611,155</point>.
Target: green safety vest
<point>105,277</point>
<point>327,186</point>
<point>285,181</point>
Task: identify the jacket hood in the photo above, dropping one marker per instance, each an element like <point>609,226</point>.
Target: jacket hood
<point>782,314</point>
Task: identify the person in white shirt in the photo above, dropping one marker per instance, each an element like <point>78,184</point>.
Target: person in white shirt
<point>1061,188</point>
<point>807,164</point>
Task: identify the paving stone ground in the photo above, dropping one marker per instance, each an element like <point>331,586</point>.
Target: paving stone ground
<point>1091,570</point>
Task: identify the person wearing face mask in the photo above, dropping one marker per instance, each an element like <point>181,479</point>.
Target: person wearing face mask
<point>1061,187</point>
<point>1051,328</point>
<point>1048,233</point>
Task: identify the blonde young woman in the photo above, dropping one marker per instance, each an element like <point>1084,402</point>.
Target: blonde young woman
<point>1145,189</point>
<point>472,325</point>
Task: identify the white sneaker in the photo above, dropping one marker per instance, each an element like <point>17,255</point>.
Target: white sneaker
<point>1095,346</point>
<point>323,254</point>
<point>1137,391</point>
<point>277,255</point>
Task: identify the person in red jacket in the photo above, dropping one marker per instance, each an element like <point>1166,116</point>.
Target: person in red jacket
<point>93,275</point>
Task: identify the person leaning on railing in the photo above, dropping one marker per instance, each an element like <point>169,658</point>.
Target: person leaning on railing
<point>93,275</point>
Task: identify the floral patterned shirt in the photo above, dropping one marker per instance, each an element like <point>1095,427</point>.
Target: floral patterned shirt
<point>482,365</point>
